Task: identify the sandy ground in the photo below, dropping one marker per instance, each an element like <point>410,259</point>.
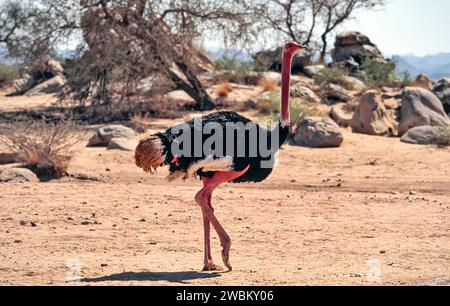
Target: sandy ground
<point>373,210</point>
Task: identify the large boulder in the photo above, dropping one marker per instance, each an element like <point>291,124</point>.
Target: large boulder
<point>352,49</point>
<point>52,85</point>
<point>17,175</point>
<point>420,107</point>
<point>341,116</point>
<point>335,93</point>
<point>313,70</point>
<point>304,93</point>
<point>105,134</point>
<point>315,132</point>
<point>428,135</point>
<point>372,118</point>
<point>124,144</point>
<point>442,90</point>
<point>272,60</point>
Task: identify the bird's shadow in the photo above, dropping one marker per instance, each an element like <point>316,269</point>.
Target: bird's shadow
<point>172,277</point>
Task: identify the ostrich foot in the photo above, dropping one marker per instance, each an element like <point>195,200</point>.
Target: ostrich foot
<point>226,258</point>
<point>210,267</point>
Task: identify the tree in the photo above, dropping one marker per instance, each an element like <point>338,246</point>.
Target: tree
<point>125,41</point>
<point>309,21</point>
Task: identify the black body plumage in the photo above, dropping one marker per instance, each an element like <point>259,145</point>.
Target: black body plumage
<point>260,164</point>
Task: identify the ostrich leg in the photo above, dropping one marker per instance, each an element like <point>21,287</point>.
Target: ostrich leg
<point>209,264</point>
<point>203,198</point>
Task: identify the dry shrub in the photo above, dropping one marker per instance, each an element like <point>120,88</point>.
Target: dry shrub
<point>45,148</point>
<point>224,89</point>
<point>140,122</point>
<point>268,85</point>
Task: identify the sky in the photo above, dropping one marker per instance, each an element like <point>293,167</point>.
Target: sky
<point>402,27</point>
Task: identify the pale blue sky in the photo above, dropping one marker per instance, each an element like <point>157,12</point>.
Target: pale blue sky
<point>407,26</point>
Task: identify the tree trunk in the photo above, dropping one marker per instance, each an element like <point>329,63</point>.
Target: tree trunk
<point>323,52</point>
<point>194,89</point>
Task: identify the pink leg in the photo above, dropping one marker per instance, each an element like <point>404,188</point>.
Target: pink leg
<point>203,198</point>
<point>208,261</point>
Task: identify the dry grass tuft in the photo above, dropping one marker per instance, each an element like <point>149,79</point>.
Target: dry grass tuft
<point>140,122</point>
<point>45,148</point>
<point>224,89</point>
<point>268,85</point>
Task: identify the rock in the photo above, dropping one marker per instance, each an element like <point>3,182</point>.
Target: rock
<point>271,60</point>
<point>423,81</point>
<point>420,107</point>
<point>54,67</point>
<point>273,77</point>
<point>428,135</point>
<point>52,85</point>
<point>313,71</point>
<point>442,90</point>
<point>356,84</point>
<point>318,132</point>
<point>340,116</point>
<point>335,93</point>
<point>304,93</point>
<point>124,144</point>
<point>372,118</point>
<point>351,49</point>
<point>17,175</point>
<point>105,134</point>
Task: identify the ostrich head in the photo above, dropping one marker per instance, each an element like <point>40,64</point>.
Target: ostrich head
<point>292,48</point>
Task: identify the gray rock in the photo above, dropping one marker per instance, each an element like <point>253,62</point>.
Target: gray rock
<point>420,107</point>
<point>372,118</point>
<point>335,92</point>
<point>52,85</point>
<point>124,144</point>
<point>351,49</point>
<point>313,71</point>
<point>317,132</point>
<point>304,93</point>
<point>105,134</point>
<point>428,135</point>
<point>271,60</point>
<point>442,90</point>
<point>340,116</point>
<point>17,175</point>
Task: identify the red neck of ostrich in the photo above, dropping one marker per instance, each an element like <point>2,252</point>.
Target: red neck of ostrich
<point>285,87</point>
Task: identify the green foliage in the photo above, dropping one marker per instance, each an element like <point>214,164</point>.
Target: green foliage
<point>333,76</point>
<point>7,73</point>
<point>376,73</point>
<point>235,71</point>
<point>270,105</point>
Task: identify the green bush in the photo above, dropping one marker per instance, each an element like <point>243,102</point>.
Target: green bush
<point>235,71</point>
<point>270,106</point>
<point>376,73</point>
<point>334,76</point>
<point>7,73</point>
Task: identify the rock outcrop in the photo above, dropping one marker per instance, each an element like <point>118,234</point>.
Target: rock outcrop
<point>352,49</point>
<point>335,93</point>
<point>315,132</point>
<point>372,118</point>
<point>420,107</point>
<point>271,60</point>
<point>304,93</point>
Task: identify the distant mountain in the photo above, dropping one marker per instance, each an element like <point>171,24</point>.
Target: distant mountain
<point>435,66</point>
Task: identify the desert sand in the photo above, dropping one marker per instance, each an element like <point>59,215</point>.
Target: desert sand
<point>374,207</point>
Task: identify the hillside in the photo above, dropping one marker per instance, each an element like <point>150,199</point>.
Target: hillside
<point>436,66</point>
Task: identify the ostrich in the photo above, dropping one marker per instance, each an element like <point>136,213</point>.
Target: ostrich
<point>219,168</point>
